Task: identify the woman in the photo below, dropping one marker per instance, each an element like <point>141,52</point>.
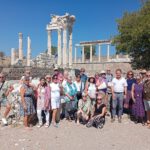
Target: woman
<point>43,101</point>
<point>138,111</point>
<point>70,91</point>
<point>84,106</point>
<point>98,118</point>
<point>80,86</point>
<point>130,81</point>
<point>55,98</point>
<point>91,89</point>
<point>27,106</point>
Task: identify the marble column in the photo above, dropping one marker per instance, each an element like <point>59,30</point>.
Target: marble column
<point>83,56</point>
<point>90,53</point>
<point>12,56</point>
<point>49,43</point>
<point>75,55</point>
<point>70,47</point>
<point>28,51</point>
<point>20,46</point>
<point>59,48</point>
<point>108,52</point>
<point>99,52</point>
<point>64,47</point>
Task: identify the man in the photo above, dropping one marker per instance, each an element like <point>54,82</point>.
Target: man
<point>146,97</point>
<point>109,76</point>
<point>4,91</point>
<point>119,93</point>
<point>143,74</point>
<point>83,76</point>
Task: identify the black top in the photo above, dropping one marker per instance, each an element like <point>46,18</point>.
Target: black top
<point>98,110</point>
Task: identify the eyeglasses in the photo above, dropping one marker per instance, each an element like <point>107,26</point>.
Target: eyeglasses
<point>1,77</point>
<point>99,98</point>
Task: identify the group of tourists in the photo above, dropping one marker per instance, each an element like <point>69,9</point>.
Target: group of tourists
<point>84,99</point>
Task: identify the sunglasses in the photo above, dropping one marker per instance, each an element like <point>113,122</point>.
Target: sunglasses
<point>1,77</point>
<point>99,98</point>
<point>130,74</point>
<point>55,78</point>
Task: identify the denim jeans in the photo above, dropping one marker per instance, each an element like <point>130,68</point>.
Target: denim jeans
<point>118,101</point>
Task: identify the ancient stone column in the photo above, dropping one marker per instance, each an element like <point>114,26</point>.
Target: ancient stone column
<point>75,55</point>
<point>28,51</point>
<point>20,46</point>
<point>59,48</point>
<point>99,52</point>
<point>49,43</point>
<point>65,47</point>
<point>83,56</point>
<point>70,47</point>
<point>90,53</point>
<point>108,52</point>
<point>12,56</point>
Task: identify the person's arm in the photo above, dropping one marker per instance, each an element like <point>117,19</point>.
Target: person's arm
<point>112,91</point>
<point>132,92</point>
<point>22,92</point>
<point>125,89</point>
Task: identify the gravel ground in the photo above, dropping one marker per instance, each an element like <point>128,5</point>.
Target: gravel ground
<point>69,136</point>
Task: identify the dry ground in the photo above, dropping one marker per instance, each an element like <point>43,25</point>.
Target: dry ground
<point>69,136</point>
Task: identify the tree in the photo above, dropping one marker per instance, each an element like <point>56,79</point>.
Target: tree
<point>87,51</point>
<point>54,50</point>
<point>134,36</point>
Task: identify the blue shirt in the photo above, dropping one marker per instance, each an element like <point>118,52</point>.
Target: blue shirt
<point>130,82</point>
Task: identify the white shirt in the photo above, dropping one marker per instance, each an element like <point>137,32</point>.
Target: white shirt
<point>92,90</point>
<point>55,91</point>
<point>119,84</point>
<point>78,85</point>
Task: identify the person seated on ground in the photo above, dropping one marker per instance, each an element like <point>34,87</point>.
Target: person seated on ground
<point>84,106</point>
<point>98,118</point>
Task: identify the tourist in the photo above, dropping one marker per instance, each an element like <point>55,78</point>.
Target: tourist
<point>119,93</point>
<point>109,75</point>
<point>146,97</point>
<point>55,99</point>
<point>48,79</point>
<point>138,111</point>
<point>91,89</point>
<point>65,78</point>
<point>56,72</point>
<point>83,75</point>
<point>27,106</point>
<point>43,101</point>
<point>27,74</point>
<point>130,81</point>
<point>98,118</point>
<point>97,78</point>
<point>84,107</point>
<point>143,74</point>
<point>102,86</point>
<point>70,91</point>
<point>5,89</point>
<point>80,86</point>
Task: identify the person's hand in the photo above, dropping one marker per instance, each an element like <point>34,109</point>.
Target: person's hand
<point>134,100</point>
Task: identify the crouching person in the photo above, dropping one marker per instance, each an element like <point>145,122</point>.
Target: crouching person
<point>98,118</point>
<point>84,106</point>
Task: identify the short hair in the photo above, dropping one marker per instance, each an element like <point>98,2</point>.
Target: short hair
<point>119,70</point>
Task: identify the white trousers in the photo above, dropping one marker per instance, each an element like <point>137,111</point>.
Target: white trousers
<point>39,115</point>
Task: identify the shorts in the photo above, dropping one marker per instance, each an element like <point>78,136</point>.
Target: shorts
<point>55,103</point>
<point>147,105</point>
<point>4,102</point>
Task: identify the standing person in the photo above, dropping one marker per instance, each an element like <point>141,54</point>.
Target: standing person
<point>130,81</point>
<point>80,86</point>
<point>119,93</point>
<point>137,96</point>
<point>83,75</point>
<point>84,107</point>
<point>70,91</point>
<point>66,74</point>
<point>27,106</point>
<point>91,89</point>
<point>143,74</point>
<point>146,97</point>
<point>109,75</point>
<point>55,98</point>
<point>48,79</point>
<point>98,118</point>
<point>4,92</point>
<point>43,101</point>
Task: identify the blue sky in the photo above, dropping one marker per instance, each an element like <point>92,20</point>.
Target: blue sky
<point>95,20</point>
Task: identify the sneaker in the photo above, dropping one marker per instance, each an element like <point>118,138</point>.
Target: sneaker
<point>112,120</point>
<point>46,125</point>
<point>4,121</point>
<point>39,125</point>
<point>119,120</point>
